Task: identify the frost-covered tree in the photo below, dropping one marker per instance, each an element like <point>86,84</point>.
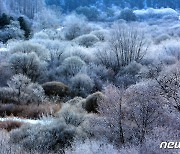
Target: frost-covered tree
<point>110,123</point>
<point>24,7</point>
<point>57,50</point>
<point>21,90</point>
<point>168,82</point>
<point>11,31</point>
<point>75,26</point>
<point>45,19</point>
<point>27,64</point>
<point>143,108</point>
<point>125,45</point>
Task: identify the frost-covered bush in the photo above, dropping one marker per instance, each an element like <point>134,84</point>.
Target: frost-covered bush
<point>162,38</point>
<point>40,35</point>
<point>131,69</point>
<point>72,66</point>
<point>101,34</point>
<point>100,74</point>
<point>44,138</point>
<point>81,85</point>
<point>128,75</point>
<point>87,40</point>
<point>29,47</point>
<point>55,88</point>
<point>27,64</point>
<point>84,53</point>
<point>125,80</point>
<point>7,147</point>
<point>92,147</point>
<point>55,34</point>
<point>53,136</point>
<point>172,48</point>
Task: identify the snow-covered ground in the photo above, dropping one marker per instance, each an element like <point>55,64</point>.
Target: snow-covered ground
<point>3,49</point>
<point>60,28</point>
<point>29,121</point>
<point>162,11</point>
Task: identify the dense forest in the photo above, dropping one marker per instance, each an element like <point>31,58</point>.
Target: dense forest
<point>89,77</point>
<point>73,4</point>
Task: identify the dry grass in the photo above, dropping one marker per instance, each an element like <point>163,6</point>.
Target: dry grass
<point>28,111</point>
<point>9,125</point>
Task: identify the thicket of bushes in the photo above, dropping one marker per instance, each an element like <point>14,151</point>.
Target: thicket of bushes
<point>133,63</point>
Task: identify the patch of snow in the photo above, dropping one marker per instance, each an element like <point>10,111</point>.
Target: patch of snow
<point>29,121</point>
<point>162,11</point>
<point>3,49</point>
<point>60,28</point>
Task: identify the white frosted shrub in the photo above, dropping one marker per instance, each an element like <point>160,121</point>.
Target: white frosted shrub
<point>27,64</point>
<point>172,48</point>
<point>81,85</point>
<point>55,135</point>
<point>40,35</point>
<point>29,47</point>
<point>86,54</point>
<point>101,34</point>
<point>72,65</point>
<point>92,147</point>
<point>87,40</point>
<point>8,148</point>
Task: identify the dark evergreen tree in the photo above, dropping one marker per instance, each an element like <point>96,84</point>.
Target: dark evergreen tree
<point>24,26</point>
<point>128,15</point>
<point>90,12</point>
<point>4,20</point>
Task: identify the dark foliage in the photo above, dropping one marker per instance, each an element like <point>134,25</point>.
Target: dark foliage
<point>4,20</point>
<point>24,26</point>
<point>55,89</point>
